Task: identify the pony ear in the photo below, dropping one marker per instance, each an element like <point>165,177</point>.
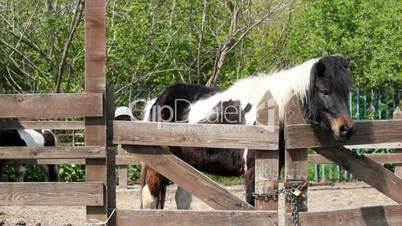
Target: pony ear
<point>350,64</point>
<point>320,68</point>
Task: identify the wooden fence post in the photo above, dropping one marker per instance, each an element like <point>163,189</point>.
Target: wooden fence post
<point>122,170</point>
<point>398,167</point>
<point>295,159</point>
<point>95,82</point>
<point>111,150</point>
<point>267,162</point>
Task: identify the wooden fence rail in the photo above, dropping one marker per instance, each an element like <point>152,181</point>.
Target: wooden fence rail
<point>88,152</point>
<point>299,137</point>
<point>196,135</point>
<point>367,132</point>
<point>53,125</point>
<point>376,215</point>
<point>186,176</point>
<point>56,105</point>
<point>51,194</point>
<point>379,158</point>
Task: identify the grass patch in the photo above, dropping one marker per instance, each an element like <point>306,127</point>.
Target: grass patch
<point>227,181</point>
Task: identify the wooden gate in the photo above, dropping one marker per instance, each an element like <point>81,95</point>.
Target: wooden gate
<point>98,192</point>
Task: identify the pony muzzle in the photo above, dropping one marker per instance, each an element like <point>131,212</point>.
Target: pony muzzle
<point>343,128</point>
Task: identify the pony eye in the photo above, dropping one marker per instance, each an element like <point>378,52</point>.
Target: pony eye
<point>324,91</point>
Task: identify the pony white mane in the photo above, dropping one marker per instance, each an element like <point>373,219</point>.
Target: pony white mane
<point>147,110</point>
<point>282,85</point>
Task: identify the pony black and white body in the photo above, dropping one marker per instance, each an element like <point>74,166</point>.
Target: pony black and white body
<point>28,137</point>
<point>321,85</point>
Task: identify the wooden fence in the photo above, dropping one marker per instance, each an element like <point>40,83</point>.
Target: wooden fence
<point>98,192</point>
<point>323,166</point>
<point>144,141</point>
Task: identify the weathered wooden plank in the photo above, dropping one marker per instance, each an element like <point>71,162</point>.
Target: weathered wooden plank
<point>393,145</point>
<point>46,161</point>
<point>379,158</point>
<point>367,132</point>
<point>95,82</point>
<point>267,162</point>
<point>127,160</point>
<point>95,46</point>
<point>54,125</point>
<point>398,170</point>
<point>52,152</point>
<point>95,171</point>
<point>295,159</point>
<point>398,165</point>
<point>123,176</point>
<point>366,170</point>
<point>195,218</point>
<point>55,105</point>
<point>51,194</point>
<point>110,155</point>
<point>120,161</point>
<point>365,216</point>
<point>187,177</point>
<point>195,135</point>
<point>59,161</point>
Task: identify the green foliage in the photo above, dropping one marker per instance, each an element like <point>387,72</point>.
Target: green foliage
<point>72,173</point>
<point>32,41</point>
<point>368,32</point>
<point>133,172</point>
<point>34,173</point>
<point>152,44</point>
<point>227,181</point>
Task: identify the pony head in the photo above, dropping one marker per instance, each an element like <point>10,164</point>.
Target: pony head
<point>326,103</point>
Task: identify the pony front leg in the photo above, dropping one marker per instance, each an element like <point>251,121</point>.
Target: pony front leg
<point>148,200</point>
<point>249,178</point>
<point>45,170</point>
<point>183,199</point>
<point>3,174</point>
<point>154,190</point>
<point>20,172</point>
<point>51,172</point>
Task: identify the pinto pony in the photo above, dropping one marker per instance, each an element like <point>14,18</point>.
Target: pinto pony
<point>321,85</point>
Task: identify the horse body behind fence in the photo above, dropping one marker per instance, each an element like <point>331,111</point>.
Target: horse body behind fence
<point>32,138</point>
<point>321,85</point>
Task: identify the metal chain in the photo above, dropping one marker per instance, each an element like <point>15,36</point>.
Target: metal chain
<point>290,194</point>
<point>294,201</point>
<point>295,211</point>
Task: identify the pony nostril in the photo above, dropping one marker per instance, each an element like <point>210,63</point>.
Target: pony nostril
<point>344,130</point>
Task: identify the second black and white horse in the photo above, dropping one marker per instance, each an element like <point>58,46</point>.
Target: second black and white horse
<point>27,137</point>
<point>321,85</point>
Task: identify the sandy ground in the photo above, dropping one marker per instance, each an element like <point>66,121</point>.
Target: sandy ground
<point>340,196</point>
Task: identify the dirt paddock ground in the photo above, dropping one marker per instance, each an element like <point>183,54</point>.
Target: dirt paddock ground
<point>340,196</point>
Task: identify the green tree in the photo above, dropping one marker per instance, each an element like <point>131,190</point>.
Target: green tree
<point>368,32</point>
